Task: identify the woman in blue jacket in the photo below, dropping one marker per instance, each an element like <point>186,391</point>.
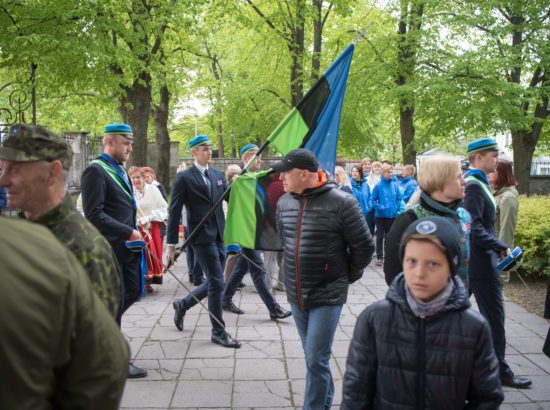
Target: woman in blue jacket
<point>407,183</point>
<point>360,189</point>
<point>386,199</point>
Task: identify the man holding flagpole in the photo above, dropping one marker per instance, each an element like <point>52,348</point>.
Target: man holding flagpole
<point>326,245</point>
<point>198,188</point>
<point>251,260</point>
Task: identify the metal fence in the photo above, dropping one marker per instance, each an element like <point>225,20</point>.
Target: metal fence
<point>540,167</point>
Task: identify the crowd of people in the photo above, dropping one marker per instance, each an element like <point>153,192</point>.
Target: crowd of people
<point>438,238</point>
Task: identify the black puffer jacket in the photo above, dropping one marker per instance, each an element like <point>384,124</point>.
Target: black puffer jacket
<point>399,361</point>
<point>326,245</point>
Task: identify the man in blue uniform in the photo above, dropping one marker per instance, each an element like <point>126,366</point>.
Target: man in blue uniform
<point>485,249</point>
<point>256,268</point>
<point>109,204</point>
<point>198,188</point>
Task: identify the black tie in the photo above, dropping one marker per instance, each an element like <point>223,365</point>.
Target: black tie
<point>208,182</point>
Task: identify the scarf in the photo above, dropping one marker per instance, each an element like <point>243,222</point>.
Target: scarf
<point>425,309</point>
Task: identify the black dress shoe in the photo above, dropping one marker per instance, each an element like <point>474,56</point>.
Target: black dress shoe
<point>241,285</point>
<point>178,314</point>
<point>230,307</point>
<point>516,382</point>
<point>136,372</point>
<point>226,341</point>
<point>279,313</point>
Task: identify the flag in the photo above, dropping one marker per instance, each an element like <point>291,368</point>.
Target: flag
<point>313,124</point>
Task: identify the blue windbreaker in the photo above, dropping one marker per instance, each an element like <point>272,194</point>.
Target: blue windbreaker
<point>362,194</point>
<point>386,198</point>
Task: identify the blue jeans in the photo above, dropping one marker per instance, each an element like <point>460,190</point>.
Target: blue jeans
<point>242,266</point>
<point>316,328</point>
<point>211,256</point>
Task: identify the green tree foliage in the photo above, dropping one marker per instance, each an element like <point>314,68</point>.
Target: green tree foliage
<point>533,234</point>
<point>455,70</point>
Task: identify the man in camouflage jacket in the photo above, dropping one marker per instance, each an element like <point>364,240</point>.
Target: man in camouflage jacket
<point>34,164</point>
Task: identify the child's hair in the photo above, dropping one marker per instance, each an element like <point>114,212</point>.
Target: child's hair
<point>425,238</point>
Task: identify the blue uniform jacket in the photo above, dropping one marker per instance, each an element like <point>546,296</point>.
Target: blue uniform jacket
<point>190,191</point>
<point>484,244</point>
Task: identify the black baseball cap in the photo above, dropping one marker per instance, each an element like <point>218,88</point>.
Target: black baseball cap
<point>300,158</point>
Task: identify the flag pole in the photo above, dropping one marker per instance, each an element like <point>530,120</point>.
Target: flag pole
<point>195,232</point>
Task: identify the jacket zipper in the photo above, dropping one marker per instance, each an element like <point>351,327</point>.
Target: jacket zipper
<point>298,236</point>
<point>421,384</point>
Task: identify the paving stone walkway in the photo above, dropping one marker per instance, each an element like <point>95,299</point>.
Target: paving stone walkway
<point>187,371</point>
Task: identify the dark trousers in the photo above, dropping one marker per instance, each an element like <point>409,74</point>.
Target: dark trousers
<point>193,266</point>
<point>383,226</point>
<point>242,266</point>
<point>211,257</point>
<point>130,283</point>
<point>370,221</point>
<point>488,294</point>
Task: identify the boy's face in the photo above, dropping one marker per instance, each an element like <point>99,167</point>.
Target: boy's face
<point>426,269</point>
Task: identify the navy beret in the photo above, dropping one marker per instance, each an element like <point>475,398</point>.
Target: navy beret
<point>482,144</point>
<point>119,129</point>
<point>247,148</point>
<point>199,140</point>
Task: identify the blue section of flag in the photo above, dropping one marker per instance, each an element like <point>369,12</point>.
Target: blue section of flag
<point>324,139</point>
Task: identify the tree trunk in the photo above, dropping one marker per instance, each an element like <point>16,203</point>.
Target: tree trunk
<point>135,107</point>
<point>296,49</point>
<point>524,147</point>
<point>162,138</point>
<point>410,21</point>
<point>406,126</point>
<point>219,120</point>
<point>317,40</point>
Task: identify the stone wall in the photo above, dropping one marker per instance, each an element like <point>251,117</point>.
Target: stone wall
<point>539,185</point>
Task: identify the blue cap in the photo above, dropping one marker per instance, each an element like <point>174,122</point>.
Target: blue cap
<point>199,140</point>
<point>248,147</point>
<point>482,144</point>
<point>119,129</point>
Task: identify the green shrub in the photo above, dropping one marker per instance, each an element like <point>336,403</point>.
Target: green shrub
<point>533,234</point>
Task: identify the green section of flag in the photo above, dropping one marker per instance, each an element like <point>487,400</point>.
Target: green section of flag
<point>290,133</point>
<point>241,212</point>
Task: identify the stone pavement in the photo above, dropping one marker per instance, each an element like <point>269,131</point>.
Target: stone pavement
<point>187,371</point>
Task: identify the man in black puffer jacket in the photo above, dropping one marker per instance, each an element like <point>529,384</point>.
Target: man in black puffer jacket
<point>423,347</point>
<point>326,246</point>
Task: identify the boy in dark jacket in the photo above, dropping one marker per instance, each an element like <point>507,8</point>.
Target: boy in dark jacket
<point>423,347</point>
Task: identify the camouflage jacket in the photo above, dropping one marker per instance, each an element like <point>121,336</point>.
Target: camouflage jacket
<point>90,248</point>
